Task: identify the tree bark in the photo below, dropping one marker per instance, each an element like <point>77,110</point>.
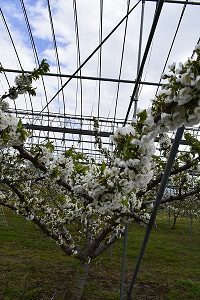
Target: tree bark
<point>169,217</point>
<point>191,227</point>
<point>174,222</point>
<point>79,284</point>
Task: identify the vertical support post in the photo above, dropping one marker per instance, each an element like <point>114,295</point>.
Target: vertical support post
<point>123,267</point>
<point>160,193</point>
<point>139,55</point>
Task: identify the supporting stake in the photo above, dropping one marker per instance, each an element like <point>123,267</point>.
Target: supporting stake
<point>125,244</point>
<point>123,269</point>
<point>163,184</point>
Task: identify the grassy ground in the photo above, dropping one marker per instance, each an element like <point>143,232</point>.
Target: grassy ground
<point>33,267</point>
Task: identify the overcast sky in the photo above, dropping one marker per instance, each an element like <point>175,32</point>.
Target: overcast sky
<point>88,15</point>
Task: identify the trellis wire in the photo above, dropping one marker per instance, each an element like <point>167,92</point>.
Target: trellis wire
<point>95,50</point>
<point>149,41</point>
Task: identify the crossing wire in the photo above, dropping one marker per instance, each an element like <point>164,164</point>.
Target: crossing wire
<point>16,53</point>
<point>8,83</point>
<point>93,52</point>
<point>56,50</point>
<point>78,65</point>
<point>173,41</point>
<point>100,54</point>
<point>57,57</point>
<point>5,24</point>
<point>121,61</point>
<point>35,54</point>
<point>78,54</point>
<point>148,45</point>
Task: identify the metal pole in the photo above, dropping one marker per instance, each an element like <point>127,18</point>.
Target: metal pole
<point>125,243</point>
<point>148,45</point>
<point>123,267</point>
<point>139,55</point>
<point>165,177</point>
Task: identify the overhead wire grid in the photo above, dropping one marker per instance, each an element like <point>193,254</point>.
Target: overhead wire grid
<point>72,125</point>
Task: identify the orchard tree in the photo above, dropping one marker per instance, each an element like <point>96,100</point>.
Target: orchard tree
<point>181,197</point>
<point>185,187</point>
<point>188,207</point>
<point>82,205</point>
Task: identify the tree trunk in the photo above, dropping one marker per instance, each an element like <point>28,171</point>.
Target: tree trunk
<point>191,227</point>
<point>79,284</point>
<point>111,252</point>
<point>174,222</point>
<point>169,217</point>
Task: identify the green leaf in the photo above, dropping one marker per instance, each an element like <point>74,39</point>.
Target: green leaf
<point>49,145</point>
<point>69,152</point>
<point>5,134</point>
<point>31,91</point>
<point>56,172</point>
<point>23,132</point>
<point>103,167</point>
<point>79,168</point>
<point>44,66</point>
<point>19,125</point>
<point>125,202</point>
<point>41,70</point>
<point>142,116</point>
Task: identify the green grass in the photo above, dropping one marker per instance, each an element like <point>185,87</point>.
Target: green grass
<point>33,266</point>
<point>189,289</point>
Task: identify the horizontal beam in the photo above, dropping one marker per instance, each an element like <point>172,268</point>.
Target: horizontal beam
<point>77,131</point>
<point>84,118</point>
<point>85,77</point>
<point>66,130</point>
<point>65,139</point>
<point>62,116</point>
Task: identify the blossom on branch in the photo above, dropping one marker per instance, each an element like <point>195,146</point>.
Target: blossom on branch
<point>80,203</point>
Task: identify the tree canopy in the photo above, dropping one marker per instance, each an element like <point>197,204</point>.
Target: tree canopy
<point>80,203</point>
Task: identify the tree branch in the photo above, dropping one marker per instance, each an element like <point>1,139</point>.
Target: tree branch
<point>173,198</point>
<point>158,178</point>
<point>36,219</point>
<point>26,155</point>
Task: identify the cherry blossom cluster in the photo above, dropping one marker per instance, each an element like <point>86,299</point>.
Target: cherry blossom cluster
<point>8,125</point>
<point>165,143</point>
<point>178,102</point>
<point>11,128</point>
<point>76,200</point>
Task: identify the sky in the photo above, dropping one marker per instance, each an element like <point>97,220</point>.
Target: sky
<point>88,16</point>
